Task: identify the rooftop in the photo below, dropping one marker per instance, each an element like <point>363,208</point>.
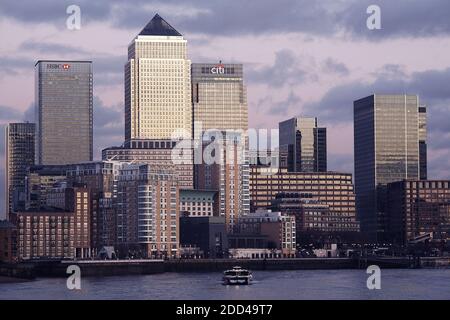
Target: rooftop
<point>159,27</point>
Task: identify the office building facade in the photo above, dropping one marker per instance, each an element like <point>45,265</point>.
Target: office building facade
<point>158,84</point>
<point>63,114</point>
<point>304,143</point>
<point>278,230</point>
<point>418,208</point>
<point>333,189</point>
<point>219,97</point>
<point>314,219</point>
<point>386,133</point>
<point>19,155</point>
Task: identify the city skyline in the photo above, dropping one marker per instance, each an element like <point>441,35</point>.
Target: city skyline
<point>340,158</point>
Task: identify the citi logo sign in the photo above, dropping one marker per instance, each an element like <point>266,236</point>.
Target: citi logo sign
<point>218,69</point>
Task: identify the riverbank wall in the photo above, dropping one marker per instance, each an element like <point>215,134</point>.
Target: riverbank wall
<point>141,267</point>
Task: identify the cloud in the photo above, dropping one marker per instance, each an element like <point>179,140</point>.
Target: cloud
<point>278,108</point>
<point>333,66</point>
<point>229,18</point>
<point>108,126</point>
<point>336,106</point>
<point>286,70</point>
<point>50,48</point>
<point>15,65</point>
<point>108,70</point>
<point>8,114</point>
<point>400,18</point>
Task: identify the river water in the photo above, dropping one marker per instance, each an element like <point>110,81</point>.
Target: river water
<point>304,284</point>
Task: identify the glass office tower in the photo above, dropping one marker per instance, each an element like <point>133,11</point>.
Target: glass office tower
<point>19,155</point>
<point>305,143</point>
<point>219,97</point>
<point>386,133</point>
<point>158,84</point>
<point>423,142</point>
<point>63,99</point>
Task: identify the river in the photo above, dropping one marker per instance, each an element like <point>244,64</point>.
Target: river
<point>304,284</point>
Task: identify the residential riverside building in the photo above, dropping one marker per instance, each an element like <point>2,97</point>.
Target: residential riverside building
<point>207,233</point>
<point>278,228</point>
<point>19,155</point>
<point>158,84</point>
<point>304,143</point>
<point>226,172</point>
<point>198,203</point>
<point>387,132</point>
<point>63,114</point>
<point>332,189</point>
<point>219,97</point>
<point>148,212</point>
<point>156,153</point>
<point>8,241</point>
<point>56,232</point>
<point>101,179</point>
<point>417,208</point>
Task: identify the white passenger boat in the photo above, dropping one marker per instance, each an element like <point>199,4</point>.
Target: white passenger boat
<point>237,276</point>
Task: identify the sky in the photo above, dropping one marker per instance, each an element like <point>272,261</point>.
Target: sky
<point>301,58</point>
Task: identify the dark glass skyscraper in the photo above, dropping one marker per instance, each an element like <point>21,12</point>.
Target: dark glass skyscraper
<point>63,112</point>
<point>304,144</point>
<point>19,154</point>
<point>386,133</point>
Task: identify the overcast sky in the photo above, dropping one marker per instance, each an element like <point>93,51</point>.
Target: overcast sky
<point>301,57</point>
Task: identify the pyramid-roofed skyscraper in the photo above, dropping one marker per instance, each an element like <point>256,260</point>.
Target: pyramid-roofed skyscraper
<point>158,84</point>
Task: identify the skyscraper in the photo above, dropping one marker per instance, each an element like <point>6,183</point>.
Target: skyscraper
<point>386,133</point>
<point>63,111</point>
<point>423,142</point>
<point>157,84</point>
<point>219,97</point>
<point>19,153</point>
<point>304,143</point>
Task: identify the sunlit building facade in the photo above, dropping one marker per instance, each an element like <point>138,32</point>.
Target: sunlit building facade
<point>158,84</point>
<point>219,97</point>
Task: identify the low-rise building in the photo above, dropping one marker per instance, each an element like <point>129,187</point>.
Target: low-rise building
<point>57,232</point>
<point>209,234</point>
<point>8,241</point>
<point>418,207</point>
<point>279,229</point>
<point>197,203</point>
<point>314,217</point>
